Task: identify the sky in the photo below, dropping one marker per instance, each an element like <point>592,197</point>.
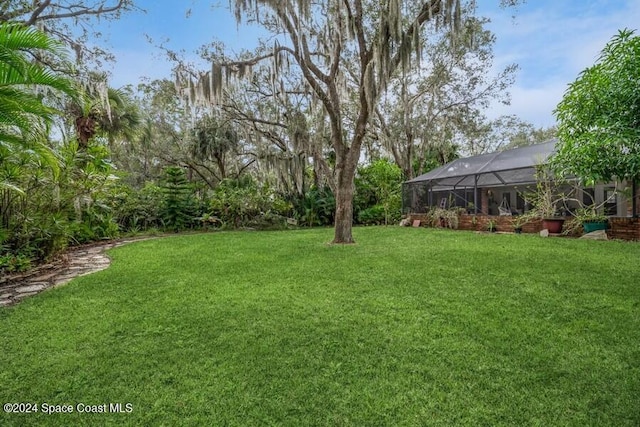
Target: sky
<point>550,40</point>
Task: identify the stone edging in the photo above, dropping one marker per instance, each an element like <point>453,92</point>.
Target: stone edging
<point>73,263</point>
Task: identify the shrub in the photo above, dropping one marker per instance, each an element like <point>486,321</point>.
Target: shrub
<point>11,263</point>
<point>316,207</point>
<point>268,221</point>
<point>137,210</point>
<point>448,218</point>
<point>379,184</point>
<point>179,209</point>
<point>374,215</point>
<point>244,203</point>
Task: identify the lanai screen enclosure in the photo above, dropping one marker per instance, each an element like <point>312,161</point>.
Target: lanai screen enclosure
<point>461,182</point>
<point>493,184</point>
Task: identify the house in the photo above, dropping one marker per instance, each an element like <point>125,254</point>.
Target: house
<point>494,183</point>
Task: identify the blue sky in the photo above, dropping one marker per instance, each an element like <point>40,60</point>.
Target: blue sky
<point>551,41</point>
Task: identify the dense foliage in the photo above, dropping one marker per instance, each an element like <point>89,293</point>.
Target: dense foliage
<point>81,161</point>
<point>599,116</point>
<point>321,85</point>
<point>378,193</point>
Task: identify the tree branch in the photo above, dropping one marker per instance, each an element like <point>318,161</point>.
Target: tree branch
<point>37,12</point>
<point>73,11</point>
<point>249,163</point>
<point>429,9</point>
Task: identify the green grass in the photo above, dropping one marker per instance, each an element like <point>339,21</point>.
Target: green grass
<point>407,327</point>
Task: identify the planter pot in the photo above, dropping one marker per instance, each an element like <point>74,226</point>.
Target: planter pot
<point>588,227</point>
<point>554,225</point>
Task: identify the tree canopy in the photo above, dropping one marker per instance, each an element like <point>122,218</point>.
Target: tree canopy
<point>68,21</point>
<point>438,107</point>
<point>344,54</point>
<point>599,116</point>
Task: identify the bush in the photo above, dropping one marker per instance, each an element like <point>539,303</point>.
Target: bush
<point>14,263</point>
<point>139,210</point>
<point>374,215</point>
<point>268,221</point>
<point>448,218</point>
<point>179,209</point>
<point>243,203</point>
<point>378,184</point>
<point>316,208</point>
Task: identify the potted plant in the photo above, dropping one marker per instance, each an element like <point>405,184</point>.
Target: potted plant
<point>544,201</point>
<point>589,216</point>
<point>591,220</point>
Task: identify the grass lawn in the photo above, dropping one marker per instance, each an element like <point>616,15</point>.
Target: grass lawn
<point>407,327</point>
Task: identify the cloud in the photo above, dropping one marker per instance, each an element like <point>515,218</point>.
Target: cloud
<point>138,58</point>
<point>534,105</point>
<point>553,42</point>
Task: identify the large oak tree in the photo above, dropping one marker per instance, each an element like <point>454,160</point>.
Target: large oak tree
<point>346,52</point>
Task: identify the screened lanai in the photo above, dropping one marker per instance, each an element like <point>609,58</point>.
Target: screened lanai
<point>460,182</point>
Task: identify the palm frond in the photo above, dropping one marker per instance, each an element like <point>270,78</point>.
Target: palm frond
<point>5,185</point>
<point>23,116</point>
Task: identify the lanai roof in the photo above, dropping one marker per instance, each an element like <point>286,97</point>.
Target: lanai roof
<point>509,167</point>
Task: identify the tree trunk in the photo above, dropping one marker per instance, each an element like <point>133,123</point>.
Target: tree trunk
<point>221,167</point>
<point>344,204</point>
<point>346,164</point>
<point>85,130</point>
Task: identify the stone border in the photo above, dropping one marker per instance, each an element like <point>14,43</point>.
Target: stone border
<point>75,262</point>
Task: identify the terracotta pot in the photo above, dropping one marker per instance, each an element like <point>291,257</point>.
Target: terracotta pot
<point>554,225</point>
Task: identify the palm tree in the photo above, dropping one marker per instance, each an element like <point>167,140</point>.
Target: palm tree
<point>24,118</point>
<point>124,119</point>
<point>102,110</point>
<point>22,113</point>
